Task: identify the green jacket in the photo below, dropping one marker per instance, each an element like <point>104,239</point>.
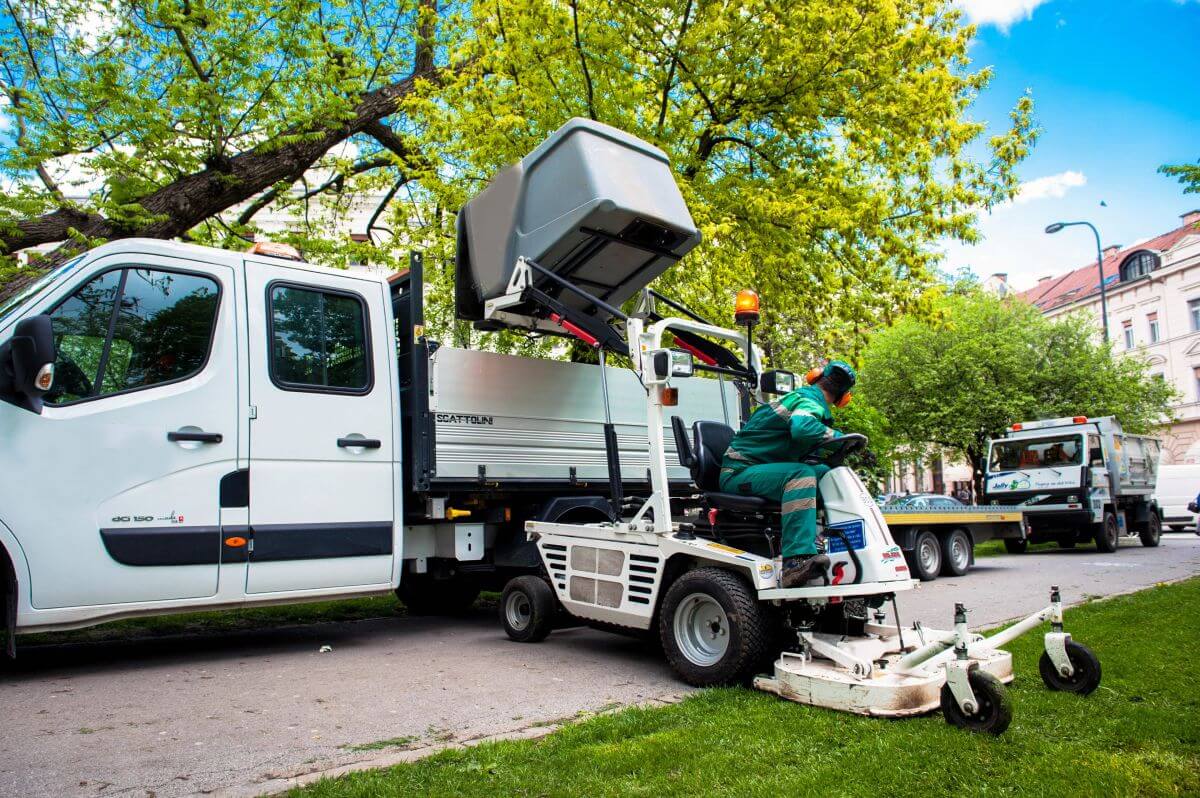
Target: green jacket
<point>783,431</point>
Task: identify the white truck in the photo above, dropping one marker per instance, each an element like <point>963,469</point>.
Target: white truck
<point>186,428</point>
<point>1077,479</point>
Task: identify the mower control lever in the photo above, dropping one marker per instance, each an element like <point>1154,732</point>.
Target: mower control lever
<point>838,450</point>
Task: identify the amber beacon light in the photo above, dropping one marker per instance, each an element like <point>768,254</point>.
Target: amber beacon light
<point>745,307</point>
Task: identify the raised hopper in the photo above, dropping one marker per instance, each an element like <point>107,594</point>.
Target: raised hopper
<point>592,204</point>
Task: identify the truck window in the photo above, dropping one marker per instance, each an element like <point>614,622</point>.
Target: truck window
<point>1095,451</point>
<point>319,340</point>
<point>131,328</point>
<point>1060,450</point>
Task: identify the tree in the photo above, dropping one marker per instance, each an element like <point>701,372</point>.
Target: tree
<point>820,145</point>
<point>954,381</point>
<point>1188,174</point>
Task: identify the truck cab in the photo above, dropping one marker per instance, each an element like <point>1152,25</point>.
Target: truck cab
<point>1076,479</point>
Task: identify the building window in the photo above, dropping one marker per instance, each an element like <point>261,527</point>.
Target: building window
<point>1138,265</point>
<point>1196,374</point>
<point>1153,319</point>
<point>1128,326</point>
<point>1194,312</point>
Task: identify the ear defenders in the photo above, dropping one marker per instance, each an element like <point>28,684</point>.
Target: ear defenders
<point>815,374</point>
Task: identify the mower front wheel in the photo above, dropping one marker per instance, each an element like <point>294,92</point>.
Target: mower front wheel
<point>994,711</point>
<point>712,628</point>
<point>1086,665</point>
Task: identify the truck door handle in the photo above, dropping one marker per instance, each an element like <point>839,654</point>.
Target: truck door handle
<point>179,436</point>
<point>359,443</point>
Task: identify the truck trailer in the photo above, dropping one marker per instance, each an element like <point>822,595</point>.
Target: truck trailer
<point>1077,479</point>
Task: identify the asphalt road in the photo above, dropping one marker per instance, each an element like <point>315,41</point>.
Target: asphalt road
<point>235,713</point>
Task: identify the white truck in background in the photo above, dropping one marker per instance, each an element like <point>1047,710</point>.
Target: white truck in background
<point>1177,487</point>
<point>1076,479</point>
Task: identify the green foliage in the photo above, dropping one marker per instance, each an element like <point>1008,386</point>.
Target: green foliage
<point>1136,735</point>
<point>821,146</point>
<point>1188,174</point>
<point>954,381</point>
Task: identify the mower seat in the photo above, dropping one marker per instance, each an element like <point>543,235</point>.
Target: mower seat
<point>702,457</point>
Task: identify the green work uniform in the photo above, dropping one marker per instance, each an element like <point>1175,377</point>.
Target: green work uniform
<point>764,460</point>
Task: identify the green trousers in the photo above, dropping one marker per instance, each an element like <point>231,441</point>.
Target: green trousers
<point>794,485</point>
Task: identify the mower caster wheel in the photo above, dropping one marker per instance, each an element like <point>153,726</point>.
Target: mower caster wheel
<point>527,608</point>
<point>1083,681</point>
<point>994,712</point>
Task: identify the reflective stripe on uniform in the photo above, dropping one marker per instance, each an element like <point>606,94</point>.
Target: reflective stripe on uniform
<point>801,483</point>
<point>797,505</point>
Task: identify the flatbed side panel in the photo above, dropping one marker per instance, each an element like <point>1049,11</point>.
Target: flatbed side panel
<point>525,418</point>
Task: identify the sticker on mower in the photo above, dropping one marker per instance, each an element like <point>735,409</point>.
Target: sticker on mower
<point>853,530</point>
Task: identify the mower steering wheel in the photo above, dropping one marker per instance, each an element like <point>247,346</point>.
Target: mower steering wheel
<point>838,450</point>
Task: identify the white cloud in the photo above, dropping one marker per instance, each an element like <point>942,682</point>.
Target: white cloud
<point>1049,187</point>
<point>1001,13</point>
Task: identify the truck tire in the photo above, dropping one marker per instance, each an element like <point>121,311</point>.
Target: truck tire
<point>712,628</point>
<point>527,608</point>
<point>423,595</point>
<point>1151,533</point>
<point>925,559</point>
<point>1108,533</point>
<point>956,552</point>
<point>1014,546</point>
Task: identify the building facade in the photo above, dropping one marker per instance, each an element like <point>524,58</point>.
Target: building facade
<point>1153,293</point>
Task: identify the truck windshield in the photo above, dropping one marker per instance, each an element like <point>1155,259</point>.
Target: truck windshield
<point>38,287</point>
<point>1063,450</point>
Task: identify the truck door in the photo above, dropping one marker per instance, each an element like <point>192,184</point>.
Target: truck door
<point>321,442</point>
<point>116,499</point>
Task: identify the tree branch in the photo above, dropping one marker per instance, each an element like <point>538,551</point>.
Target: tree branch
<point>188,200</point>
<point>587,76</point>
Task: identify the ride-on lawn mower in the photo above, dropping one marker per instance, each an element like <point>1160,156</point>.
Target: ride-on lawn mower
<point>702,570</point>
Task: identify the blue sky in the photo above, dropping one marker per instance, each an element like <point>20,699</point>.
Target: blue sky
<point>1116,88</point>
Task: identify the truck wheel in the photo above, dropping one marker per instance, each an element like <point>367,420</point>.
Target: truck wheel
<point>1152,532</point>
<point>423,595</point>
<point>1108,534</point>
<point>712,628</point>
<point>956,553</point>
<point>1014,546</point>
<point>527,609</point>
<point>925,559</point>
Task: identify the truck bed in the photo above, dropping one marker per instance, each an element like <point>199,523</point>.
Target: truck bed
<point>507,419</point>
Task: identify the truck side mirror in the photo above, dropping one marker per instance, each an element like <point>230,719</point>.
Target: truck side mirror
<point>27,363</point>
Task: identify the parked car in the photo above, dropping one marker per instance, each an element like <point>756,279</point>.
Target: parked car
<point>932,500</point>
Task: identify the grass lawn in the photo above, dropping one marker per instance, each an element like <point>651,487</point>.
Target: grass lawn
<point>994,548</point>
<point>1138,734</point>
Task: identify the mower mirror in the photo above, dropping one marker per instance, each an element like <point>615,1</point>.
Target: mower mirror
<point>27,363</point>
<point>777,381</point>
<point>672,363</point>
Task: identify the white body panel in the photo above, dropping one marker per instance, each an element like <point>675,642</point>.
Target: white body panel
<point>303,486</point>
<point>1177,486</point>
<point>527,419</point>
<point>106,463</point>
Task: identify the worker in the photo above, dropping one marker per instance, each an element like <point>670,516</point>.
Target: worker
<point>764,459</point>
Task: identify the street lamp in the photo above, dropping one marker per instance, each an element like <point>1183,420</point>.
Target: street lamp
<point>1054,228</point>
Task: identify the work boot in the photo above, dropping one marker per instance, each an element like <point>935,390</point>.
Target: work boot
<point>799,571</point>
